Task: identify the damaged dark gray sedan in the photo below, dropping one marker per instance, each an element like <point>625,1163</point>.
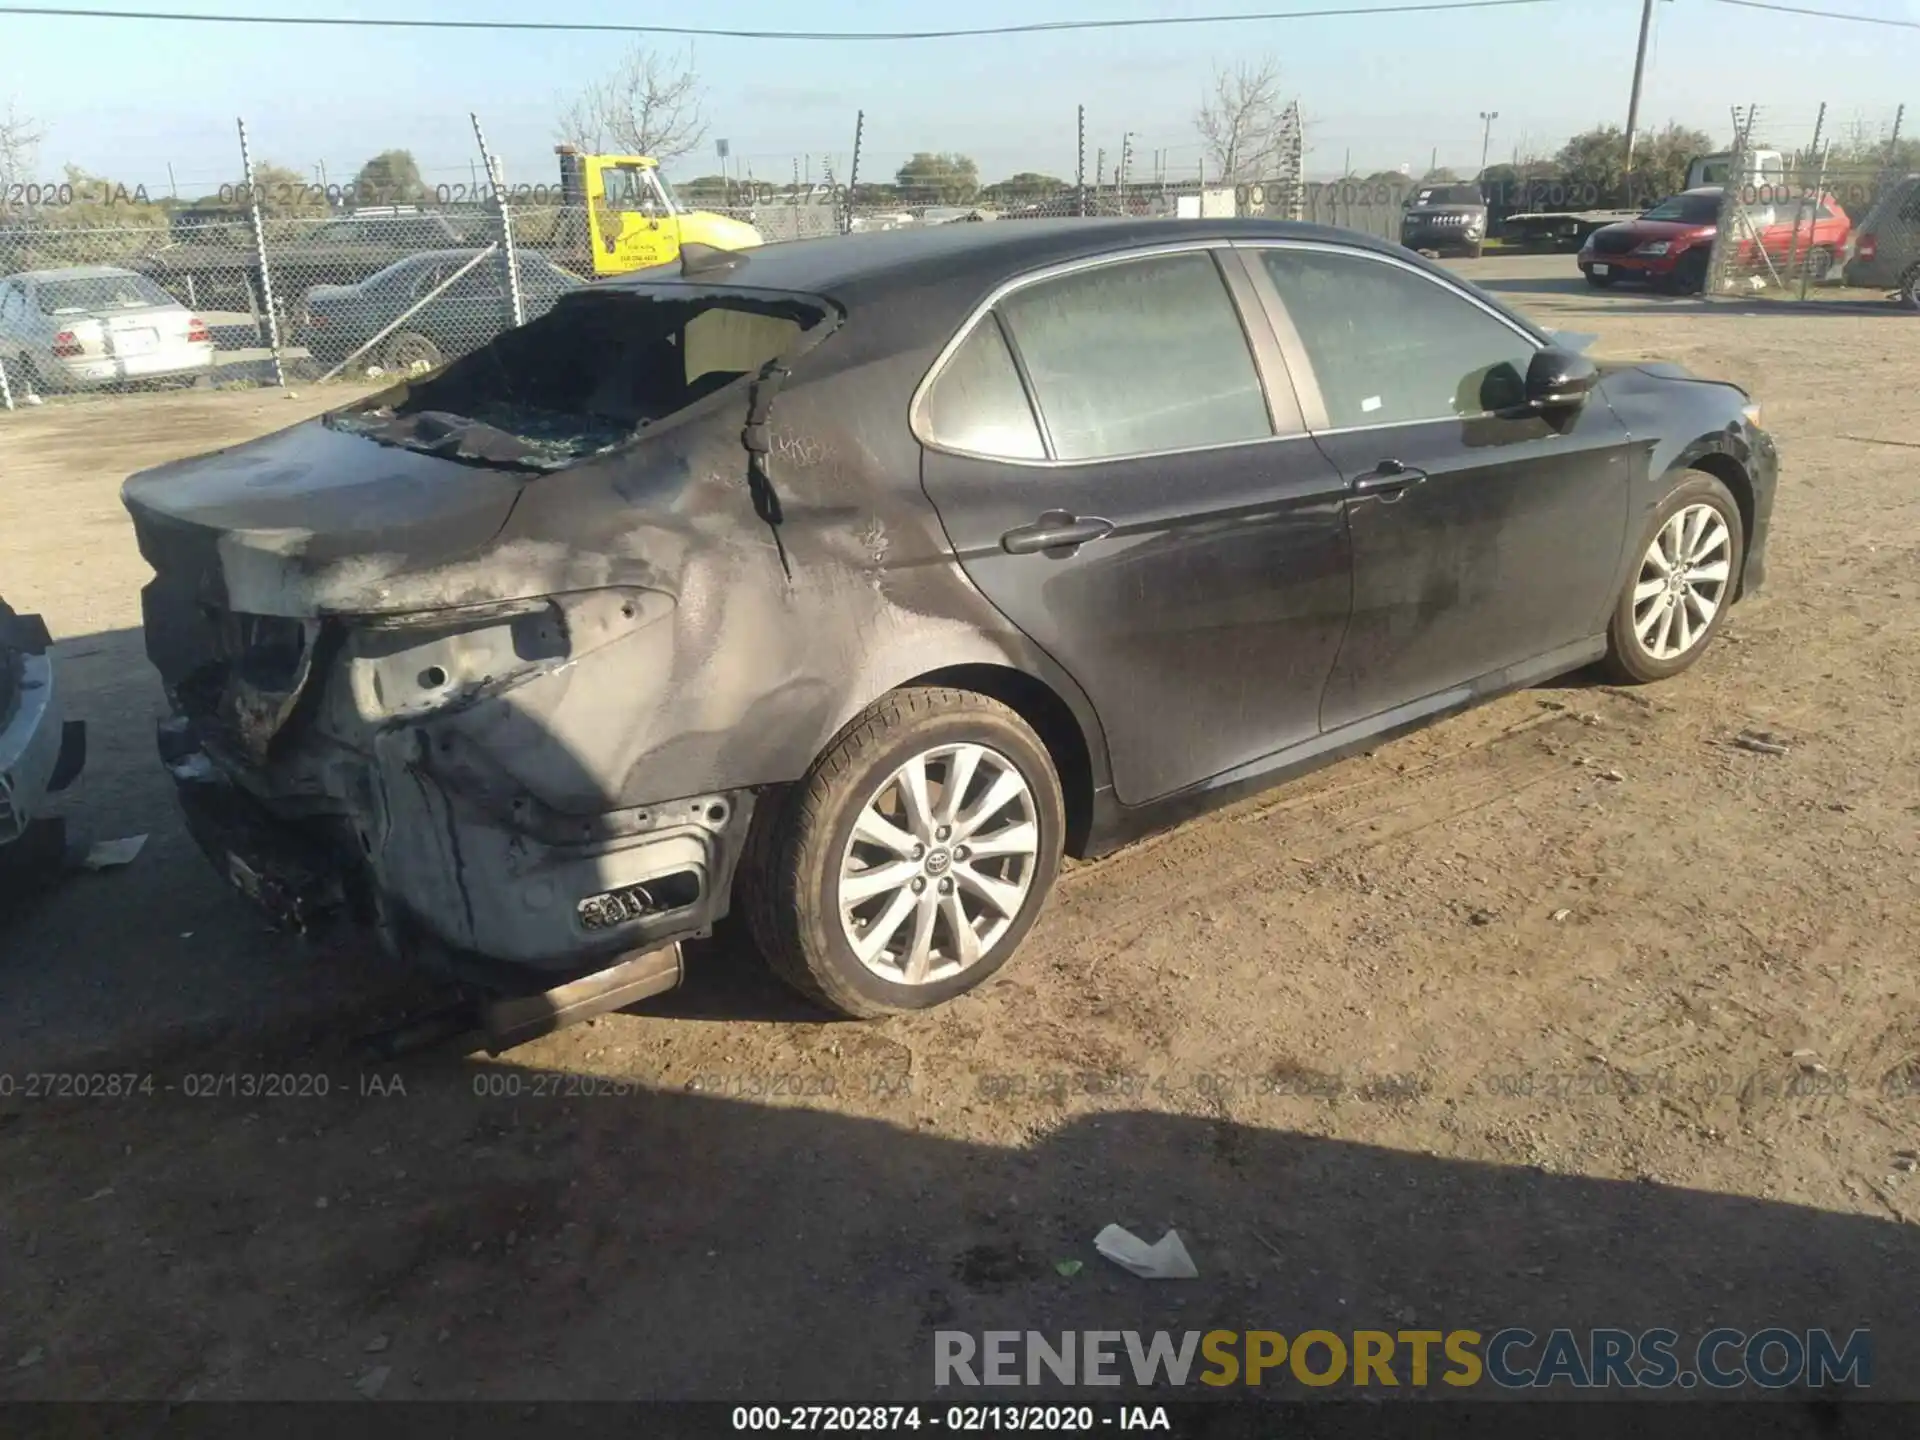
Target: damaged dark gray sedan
<point>855,580</point>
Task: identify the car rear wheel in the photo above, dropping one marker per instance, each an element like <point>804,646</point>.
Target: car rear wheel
<point>1677,596</point>
<point>913,858</point>
<point>408,350</point>
<point>31,380</point>
<point>1910,289</point>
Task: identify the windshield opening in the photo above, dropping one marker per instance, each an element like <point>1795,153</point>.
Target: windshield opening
<point>99,292</point>
<point>1687,210</point>
<point>593,373</point>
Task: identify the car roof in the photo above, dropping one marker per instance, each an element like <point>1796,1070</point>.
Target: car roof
<point>74,272</point>
<point>879,261</point>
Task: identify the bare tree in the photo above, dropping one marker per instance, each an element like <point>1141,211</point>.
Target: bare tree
<point>1244,123</point>
<point>19,149</point>
<point>650,105</point>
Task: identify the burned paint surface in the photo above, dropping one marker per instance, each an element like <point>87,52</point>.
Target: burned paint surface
<point>485,779</point>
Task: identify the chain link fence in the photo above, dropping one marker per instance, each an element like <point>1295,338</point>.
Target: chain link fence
<point>1810,214</point>
<point>273,280</point>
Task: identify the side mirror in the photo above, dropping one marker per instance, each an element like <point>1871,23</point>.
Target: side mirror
<point>1559,379</point>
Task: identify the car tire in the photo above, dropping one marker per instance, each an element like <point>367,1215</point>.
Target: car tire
<point>1601,282</point>
<point>406,348</point>
<point>1476,250</point>
<point>32,381</point>
<point>1699,525</point>
<point>804,849</point>
<point>1910,288</point>
<point>1819,264</point>
<point>1690,275</point>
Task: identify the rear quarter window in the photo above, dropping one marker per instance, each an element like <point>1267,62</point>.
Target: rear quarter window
<point>977,403</point>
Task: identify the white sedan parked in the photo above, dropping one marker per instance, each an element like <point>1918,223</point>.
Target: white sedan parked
<point>96,325</point>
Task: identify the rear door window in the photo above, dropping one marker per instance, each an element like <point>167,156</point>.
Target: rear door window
<point>1137,358</point>
<point>1390,346</point>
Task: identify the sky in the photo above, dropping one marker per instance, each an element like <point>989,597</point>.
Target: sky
<point>128,99</point>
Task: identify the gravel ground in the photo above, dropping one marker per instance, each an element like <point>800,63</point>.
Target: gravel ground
<point>1565,1012</point>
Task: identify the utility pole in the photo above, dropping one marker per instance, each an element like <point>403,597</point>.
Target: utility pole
<point>1639,73</point>
<point>1487,117</point>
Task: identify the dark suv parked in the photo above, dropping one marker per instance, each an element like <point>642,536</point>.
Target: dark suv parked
<point>856,579</point>
<point>1445,220</point>
<point>1885,253</point>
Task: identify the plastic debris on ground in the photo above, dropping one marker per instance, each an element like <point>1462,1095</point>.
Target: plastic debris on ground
<point>1166,1259</point>
<point>107,854</point>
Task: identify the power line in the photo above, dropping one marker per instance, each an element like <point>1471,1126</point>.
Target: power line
<point>701,32</point>
<point>1824,14</point>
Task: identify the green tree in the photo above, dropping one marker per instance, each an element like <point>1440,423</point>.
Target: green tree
<point>1024,188</point>
<point>1596,160</point>
<point>938,179</point>
<point>1506,186</point>
<point>390,178</point>
<point>286,194</point>
<point>1861,162</point>
<point>107,223</point>
<point>874,195</point>
<point>705,189</point>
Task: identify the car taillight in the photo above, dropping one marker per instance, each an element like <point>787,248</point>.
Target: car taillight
<point>66,346</point>
<point>1868,245</point>
<point>197,332</point>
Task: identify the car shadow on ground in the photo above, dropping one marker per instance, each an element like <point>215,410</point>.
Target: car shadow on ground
<point>493,1231</point>
<point>159,953</point>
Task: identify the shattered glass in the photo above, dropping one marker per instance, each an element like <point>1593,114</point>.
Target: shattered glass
<point>498,433</point>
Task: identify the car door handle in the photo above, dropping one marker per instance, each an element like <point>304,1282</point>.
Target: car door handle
<point>1057,529</point>
<point>1388,478</point>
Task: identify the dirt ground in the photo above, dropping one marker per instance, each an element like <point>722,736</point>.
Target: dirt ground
<point>1565,1012</point>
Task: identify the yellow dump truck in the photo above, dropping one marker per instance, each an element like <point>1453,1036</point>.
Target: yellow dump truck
<point>632,219</point>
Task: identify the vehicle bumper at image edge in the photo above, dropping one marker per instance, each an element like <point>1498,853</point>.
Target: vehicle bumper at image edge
<point>41,752</point>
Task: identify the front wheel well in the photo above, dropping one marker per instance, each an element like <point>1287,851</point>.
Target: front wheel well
<point>1052,720</point>
<point>1732,474</point>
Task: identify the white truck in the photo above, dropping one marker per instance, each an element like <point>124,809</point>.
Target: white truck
<point>1569,227</point>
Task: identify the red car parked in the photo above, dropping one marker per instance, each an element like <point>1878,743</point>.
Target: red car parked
<point>1670,245</point>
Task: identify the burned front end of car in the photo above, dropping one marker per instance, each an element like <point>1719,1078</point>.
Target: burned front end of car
<point>392,707</point>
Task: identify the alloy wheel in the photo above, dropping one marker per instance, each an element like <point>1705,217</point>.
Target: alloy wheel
<point>1683,582</point>
<point>940,864</point>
